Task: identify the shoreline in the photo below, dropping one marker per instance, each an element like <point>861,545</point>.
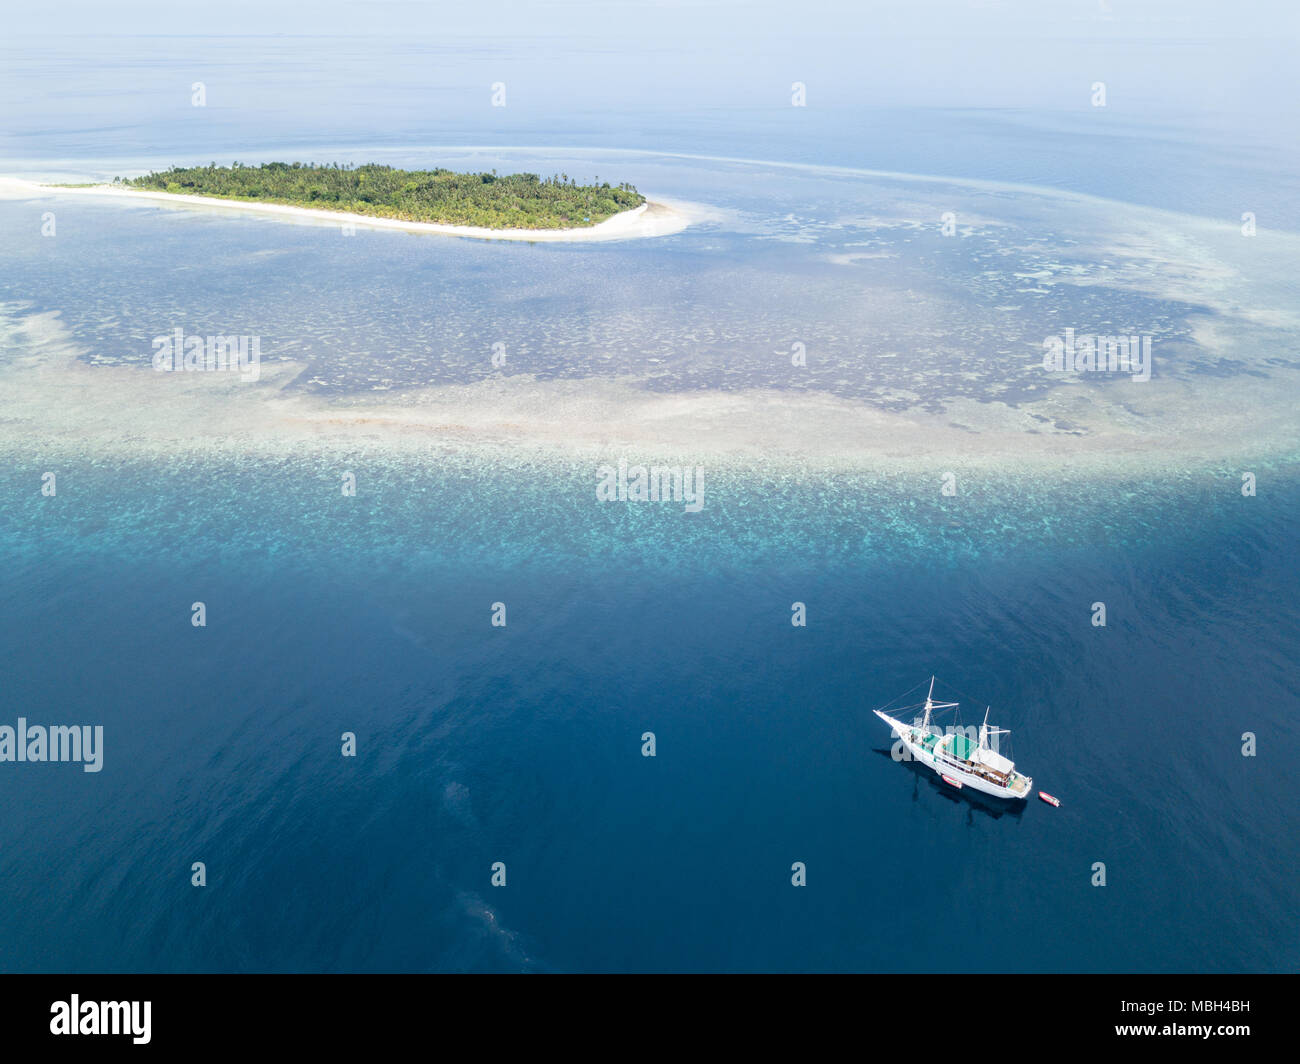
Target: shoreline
<point>651,219</point>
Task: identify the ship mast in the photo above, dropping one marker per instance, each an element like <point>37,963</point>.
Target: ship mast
<point>986,731</point>
<point>928,705</point>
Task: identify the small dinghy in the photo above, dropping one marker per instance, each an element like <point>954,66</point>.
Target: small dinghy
<point>1049,799</point>
<point>951,782</point>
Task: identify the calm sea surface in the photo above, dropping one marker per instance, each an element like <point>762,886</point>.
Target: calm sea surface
<point>478,744</point>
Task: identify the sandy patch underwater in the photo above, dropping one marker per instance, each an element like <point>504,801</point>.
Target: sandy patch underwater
<point>57,402</point>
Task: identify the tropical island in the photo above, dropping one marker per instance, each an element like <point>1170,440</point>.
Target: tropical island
<point>442,197</point>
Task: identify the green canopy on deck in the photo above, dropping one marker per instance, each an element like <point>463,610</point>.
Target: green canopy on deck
<point>962,748</point>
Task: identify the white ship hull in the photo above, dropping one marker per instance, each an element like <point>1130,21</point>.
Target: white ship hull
<point>936,753</point>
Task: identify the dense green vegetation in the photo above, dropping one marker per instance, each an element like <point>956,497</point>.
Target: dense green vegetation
<point>516,201</point>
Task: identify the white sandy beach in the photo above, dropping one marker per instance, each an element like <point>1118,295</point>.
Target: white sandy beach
<point>58,398</point>
<point>649,220</point>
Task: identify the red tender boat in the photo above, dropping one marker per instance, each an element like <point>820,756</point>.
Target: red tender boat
<point>1049,799</point>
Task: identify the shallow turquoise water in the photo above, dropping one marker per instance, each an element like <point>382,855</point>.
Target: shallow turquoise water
<point>522,744</point>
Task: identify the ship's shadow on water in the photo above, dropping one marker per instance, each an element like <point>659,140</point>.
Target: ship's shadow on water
<point>995,808</point>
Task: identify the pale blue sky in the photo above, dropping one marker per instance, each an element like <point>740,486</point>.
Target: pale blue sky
<point>1235,59</point>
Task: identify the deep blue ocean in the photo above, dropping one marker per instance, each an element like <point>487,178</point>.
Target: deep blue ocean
<point>523,744</point>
